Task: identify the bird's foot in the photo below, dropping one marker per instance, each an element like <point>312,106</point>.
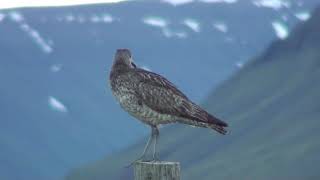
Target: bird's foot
<point>141,159</point>
<point>156,158</point>
<point>135,161</point>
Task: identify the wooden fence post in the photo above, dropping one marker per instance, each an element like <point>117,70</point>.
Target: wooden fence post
<point>156,171</point>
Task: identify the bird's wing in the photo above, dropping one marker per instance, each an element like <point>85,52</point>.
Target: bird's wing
<point>159,94</point>
<point>162,96</point>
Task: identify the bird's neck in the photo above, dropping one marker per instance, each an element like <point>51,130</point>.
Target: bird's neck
<point>119,68</point>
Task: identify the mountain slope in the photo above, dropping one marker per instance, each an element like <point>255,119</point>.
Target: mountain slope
<point>273,110</point>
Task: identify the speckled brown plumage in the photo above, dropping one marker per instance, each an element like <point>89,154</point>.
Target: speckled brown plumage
<point>153,99</point>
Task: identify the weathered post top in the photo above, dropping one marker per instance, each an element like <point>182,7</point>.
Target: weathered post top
<point>157,171</point>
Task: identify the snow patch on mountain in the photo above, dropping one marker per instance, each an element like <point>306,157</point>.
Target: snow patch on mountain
<point>239,64</point>
<point>80,18</point>
<point>163,25</point>
<point>280,29</point>
<point>177,2</point>
<point>56,68</point>
<point>220,26</point>
<point>155,21</point>
<point>107,18</point>
<point>178,34</point>
<point>181,34</point>
<point>95,19</point>
<point>303,16</point>
<point>16,16</point>
<point>192,24</point>
<point>57,105</point>
<point>33,33</point>
<point>69,18</point>
<point>274,4</point>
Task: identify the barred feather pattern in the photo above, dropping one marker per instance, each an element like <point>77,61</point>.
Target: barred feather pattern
<point>154,100</point>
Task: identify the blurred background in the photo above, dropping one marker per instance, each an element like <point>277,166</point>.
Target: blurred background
<point>253,63</point>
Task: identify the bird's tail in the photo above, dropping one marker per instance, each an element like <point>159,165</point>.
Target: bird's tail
<point>220,129</point>
<point>217,124</point>
<point>202,118</point>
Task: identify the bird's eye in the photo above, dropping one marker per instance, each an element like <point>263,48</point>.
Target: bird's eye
<point>133,65</point>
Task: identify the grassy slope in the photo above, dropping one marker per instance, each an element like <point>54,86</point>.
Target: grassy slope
<point>273,108</point>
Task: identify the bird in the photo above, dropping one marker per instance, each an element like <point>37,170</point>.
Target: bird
<point>154,100</point>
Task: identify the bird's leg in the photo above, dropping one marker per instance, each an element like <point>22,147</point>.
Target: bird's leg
<point>146,148</point>
<point>155,135</point>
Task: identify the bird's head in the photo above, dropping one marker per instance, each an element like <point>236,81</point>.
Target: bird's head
<point>123,57</point>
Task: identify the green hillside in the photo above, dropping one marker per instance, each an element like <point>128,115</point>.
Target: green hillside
<point>273,108</point>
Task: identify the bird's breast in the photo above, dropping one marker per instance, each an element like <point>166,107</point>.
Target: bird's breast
<point>125,92</point>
